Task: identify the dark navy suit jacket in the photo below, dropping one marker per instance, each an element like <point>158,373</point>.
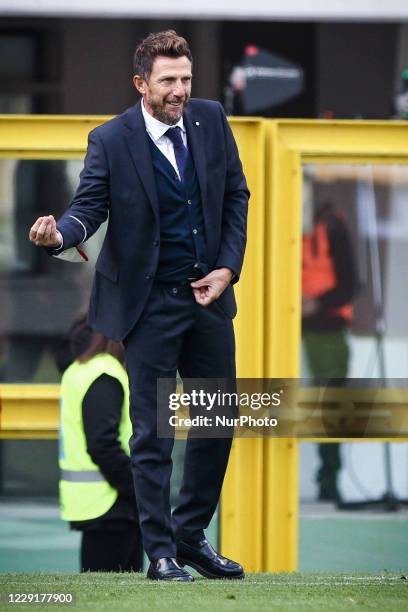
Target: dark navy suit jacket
<point>118,181</point>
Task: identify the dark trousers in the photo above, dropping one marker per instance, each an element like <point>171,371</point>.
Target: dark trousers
<point>175,333</point>
<point>328,357</point>
<point>112,551</point>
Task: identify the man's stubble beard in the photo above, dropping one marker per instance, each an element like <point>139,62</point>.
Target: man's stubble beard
<point>162,115</point>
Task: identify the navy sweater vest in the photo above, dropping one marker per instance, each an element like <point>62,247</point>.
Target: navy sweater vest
<point>182,234</point>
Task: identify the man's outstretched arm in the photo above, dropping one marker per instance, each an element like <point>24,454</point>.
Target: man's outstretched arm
<point>87,211</point>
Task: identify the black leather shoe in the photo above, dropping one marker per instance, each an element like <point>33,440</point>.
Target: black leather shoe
<point>203,558</point>
<point>168,569</point>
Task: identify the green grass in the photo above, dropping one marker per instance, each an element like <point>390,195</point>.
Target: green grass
<point>258,592</point>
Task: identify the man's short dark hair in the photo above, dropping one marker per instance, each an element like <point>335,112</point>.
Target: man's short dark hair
<point>167,43</point>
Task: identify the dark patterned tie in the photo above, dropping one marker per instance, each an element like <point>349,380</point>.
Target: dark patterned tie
<point>180,150</point>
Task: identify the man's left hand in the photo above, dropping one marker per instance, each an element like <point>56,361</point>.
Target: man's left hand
<point>210,287</point>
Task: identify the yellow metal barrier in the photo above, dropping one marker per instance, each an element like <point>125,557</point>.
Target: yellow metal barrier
<point>259,521</point>
<point>65,137</point>
<point>259,512</point>
<point>290,144</point>
<point>29,411</point>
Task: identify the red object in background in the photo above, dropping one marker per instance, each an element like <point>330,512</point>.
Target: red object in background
<point>251,50</point>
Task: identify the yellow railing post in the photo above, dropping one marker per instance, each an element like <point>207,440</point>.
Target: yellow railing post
<point>241,504</point>
<point>282,346</point>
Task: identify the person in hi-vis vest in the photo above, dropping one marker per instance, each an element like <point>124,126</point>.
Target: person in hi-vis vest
<point>329,285</point>
<point>96,486</point>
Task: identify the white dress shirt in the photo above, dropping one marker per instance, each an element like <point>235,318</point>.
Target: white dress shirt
<point>156,130</point>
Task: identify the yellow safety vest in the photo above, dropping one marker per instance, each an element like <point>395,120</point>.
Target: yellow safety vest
<point>84,492</point>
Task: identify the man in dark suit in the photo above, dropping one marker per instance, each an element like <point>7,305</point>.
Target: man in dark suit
<point>168,174</point>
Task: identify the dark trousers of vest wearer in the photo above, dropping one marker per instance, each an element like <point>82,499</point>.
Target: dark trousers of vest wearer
<point>175,333</point>
<point>104,550</point>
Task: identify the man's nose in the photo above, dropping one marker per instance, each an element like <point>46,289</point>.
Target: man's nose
<point>178,89</point>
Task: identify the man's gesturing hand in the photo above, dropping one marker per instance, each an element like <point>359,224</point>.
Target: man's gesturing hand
<point>209,288</point>
<point>44,232</point>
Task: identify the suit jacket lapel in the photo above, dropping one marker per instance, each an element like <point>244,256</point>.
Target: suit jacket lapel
<point>138,144</point>
<point>195,137</point>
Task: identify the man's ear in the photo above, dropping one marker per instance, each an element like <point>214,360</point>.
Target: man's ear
<point>140,84</point>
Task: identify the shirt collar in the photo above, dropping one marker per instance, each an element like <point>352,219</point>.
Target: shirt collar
<point>155,128</point>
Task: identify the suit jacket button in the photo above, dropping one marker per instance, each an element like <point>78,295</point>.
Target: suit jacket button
<point>155,243</point>
<point>148,276</point>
